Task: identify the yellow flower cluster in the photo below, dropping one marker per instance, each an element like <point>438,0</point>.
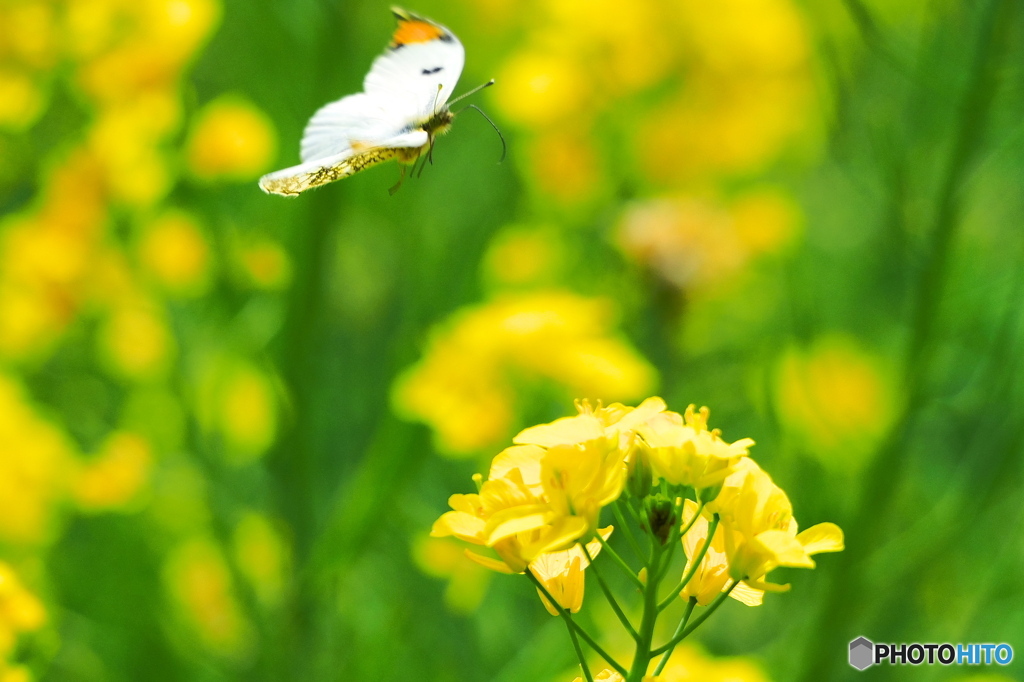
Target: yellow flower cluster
<point>543,496</point>
<point>98,248</point>
<point>466,387</point>
<point>745,93</point>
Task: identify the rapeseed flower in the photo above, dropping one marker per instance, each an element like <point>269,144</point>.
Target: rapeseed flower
<point>684,452</point>
<point>510,519</point>
<point>759,531</point>
<point>561,573</point>
<point>712,573</point>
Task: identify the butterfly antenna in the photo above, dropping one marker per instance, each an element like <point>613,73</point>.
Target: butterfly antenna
<point>504,147</point>
<point>472,92</point>
<point>440,86</point>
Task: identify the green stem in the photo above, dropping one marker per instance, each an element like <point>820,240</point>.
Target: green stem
<point>579,653</point>
<point>642,658</point>
<point>694,565</point>
<point>712,607</point>
<point>564,613</point>
<point>692,602</point>
<point>608,595</point>
<point>618,559</point>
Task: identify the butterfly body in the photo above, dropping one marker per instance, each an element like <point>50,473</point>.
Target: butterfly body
<point>400,112</point>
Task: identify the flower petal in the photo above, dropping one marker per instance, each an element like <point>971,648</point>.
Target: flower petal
<point>824,537</point>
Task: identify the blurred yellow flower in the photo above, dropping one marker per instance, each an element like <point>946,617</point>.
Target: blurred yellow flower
<point>690,664</point>
<point>29,33</point>
<point>565,164</point>
<point>135,341</point>
<point>746,36</point>
<point>539,88</point>
<point>837,397</point>
<point>130,48</point>
<point>20,611</point>
<point>247,412</point>
<point>29,322</point>
<point>199,582</point>
<point>262,557</point>
<point>522,256</point>
<point>445,558</point>
<point>21,100</point>
<point>174,250</point>
<point>127,139</point>
<point>35,457</point>
<point>463,387</point>
<point>230,139</point>
<point>699,243</point>
<point>116,475</point>
<point>18,673</point>
<point>766,221</point>
<point>266,265</point>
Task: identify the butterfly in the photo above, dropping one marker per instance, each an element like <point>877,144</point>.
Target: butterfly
<point>402,109</point>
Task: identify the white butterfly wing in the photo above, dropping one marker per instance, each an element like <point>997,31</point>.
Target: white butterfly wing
<point>354,122</point>
<point>424,61</point>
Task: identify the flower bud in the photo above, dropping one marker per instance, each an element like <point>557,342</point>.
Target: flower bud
<point>640,475</point>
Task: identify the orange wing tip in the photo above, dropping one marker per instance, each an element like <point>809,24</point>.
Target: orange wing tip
<point>412,29</point>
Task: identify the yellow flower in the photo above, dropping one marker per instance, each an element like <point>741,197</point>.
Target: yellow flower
<point>262,557</point>
<point>523,256</point>
<point>712,574</point>
<point>605,676</point>
<point>462,387</point>
<point>35,459</point>
<point>684,452</point>
<point>247,412</point>
<point>511,519</point>
<point>175,251</point>
<point>543,88</point>
<point>21,101</point>
<point>836,397</point>
<point>136,342</point>
<point>760,533</point>
<point>116,475</point>
<point>265,265</point>
<point>20,611</point>
<point>231,139</point>
<point>690,664</point>
<point>561,573</point>
<point>197,578</point>
<point>582,459</point>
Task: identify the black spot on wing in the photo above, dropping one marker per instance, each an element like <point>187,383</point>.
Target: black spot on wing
<point>430,72</point>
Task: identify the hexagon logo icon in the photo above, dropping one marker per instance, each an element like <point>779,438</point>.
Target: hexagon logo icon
<point>862,653</point>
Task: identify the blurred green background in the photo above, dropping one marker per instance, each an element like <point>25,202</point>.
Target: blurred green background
<point>227,420</point>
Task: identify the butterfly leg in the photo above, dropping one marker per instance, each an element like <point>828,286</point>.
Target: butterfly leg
<point>398,185</point>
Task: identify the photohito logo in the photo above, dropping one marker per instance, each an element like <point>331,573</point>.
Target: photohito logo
<point>864,653</point>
